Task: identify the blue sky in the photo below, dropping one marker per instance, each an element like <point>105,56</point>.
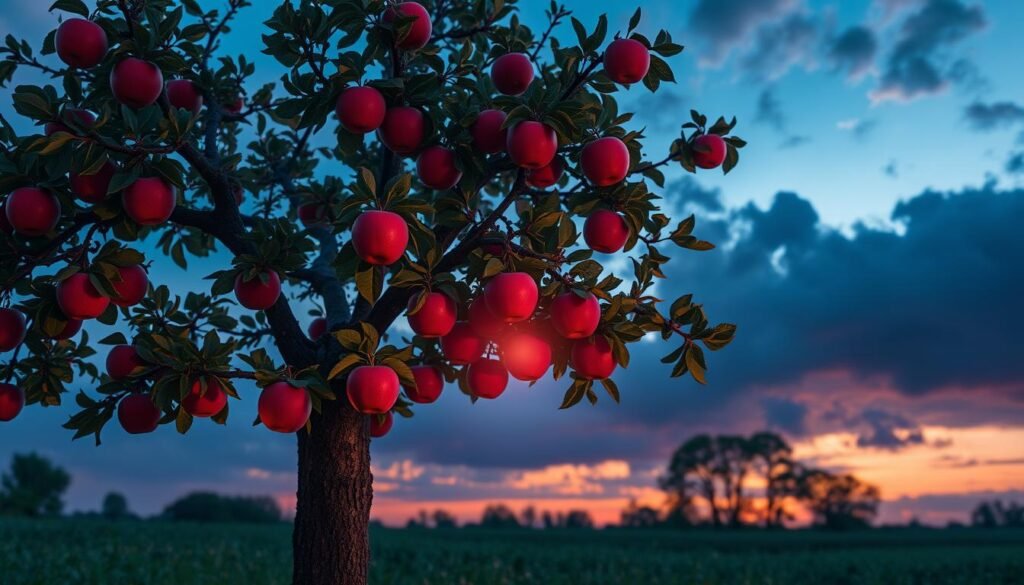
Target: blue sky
<point>868,308</point>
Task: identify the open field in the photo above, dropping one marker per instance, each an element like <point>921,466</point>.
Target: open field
<point>88,552</point>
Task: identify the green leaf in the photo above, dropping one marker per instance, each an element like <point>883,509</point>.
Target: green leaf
<point>73,6</point>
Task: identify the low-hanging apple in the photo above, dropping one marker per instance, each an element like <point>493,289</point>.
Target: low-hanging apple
<point>360,109</point>
<point>184,94</point>
<point>123,361</point>
<point>32,211</point>
<point>137,414</point>
<point>260,292</point>
<point>547,175</point>
<point>132,287</point>
<point>486,378</point>
<point>205,404</point>
<point>512,73</point>
<point>402,130</point>
<point>605,231</point>
<point>80,43</point>
<point>462,345</point>
<point>626,61</point>
<point>313,214</point>
<point>483,321</point>
<point>574,316</point>
<point>380,424</point>
<point>149,201</point>
<point>284,408</point>
<point>592,358</point>
<point>71,328</point>
<point>532,144</point>
<point>488,135</point>
<point>317,328</point>
<point>605,161</point>
<point>709,151</point>
<point>12,328</point>
<point>93,188</point>
<point>438,168</point>
<point>372,389</point>
<point>79,299</point>
<point>429,384</point>
<point>526,356</point>
<point>512,296</point>
<point>83,118</point>
<point>436,315</point>
<point>380,237</point>
<point>136,83</point>
<point>12,400</point>
<point>418,34</point>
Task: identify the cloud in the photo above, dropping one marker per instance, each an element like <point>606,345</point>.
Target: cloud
<point>781,45</point>
<point>888,430</point>
<point>860,128</point>
<point>725,25</point>
<point>769,112</point>
<point>1015,164</point>
<point>993,116</point>
<point>686,193</point>
<point>786,415</point>
<point>853,52</point>
<point>918,64</point>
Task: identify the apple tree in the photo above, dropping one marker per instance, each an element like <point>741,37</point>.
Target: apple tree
<point>440,161</point>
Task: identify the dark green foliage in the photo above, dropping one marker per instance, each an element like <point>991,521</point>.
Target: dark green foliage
<point>33,487</point>
<point>211,507</point>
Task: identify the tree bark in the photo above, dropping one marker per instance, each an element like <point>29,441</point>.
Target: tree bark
<point>331,543</point>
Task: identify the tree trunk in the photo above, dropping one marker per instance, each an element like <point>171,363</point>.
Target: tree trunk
<point>330,543</point>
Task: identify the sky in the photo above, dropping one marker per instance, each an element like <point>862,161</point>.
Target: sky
<point>869,251</point>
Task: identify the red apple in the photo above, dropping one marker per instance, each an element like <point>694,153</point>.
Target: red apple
<point>709,151</point>
<point>380,424</point>
<point>317,328</point>
<point>526,356</point>
<point>484,322</point>
<point>284,408</point>
<point>372,389</point>
<point>313,214</point>
<point>402,130</point>
<point>512,296</point>
<point>531,144</point>
<point>592,358</point>
<point>12,329</point>
<point>185,95</point>
<point>512,73</point>
<point>573,316</point>
<point>486,378</point>
<point>123,361</point>
<point>93,188</point>
<point>462,345</point>
<point>202,405</point>
<point>438,168</point>
<point>429,384</point>
<point>238,192</point>
<point>436,316</point>
<point>605,231</point>
<point>133,286</point>
<point>626,61</point>
<point>149,201</point>
<point>71,328</point>
<point>380,237</point>
<point>12,400</point>
<point>32,211</point>
<point>605,161</point>
<point>235,106</point>
<point>136,83</point>
<point>80,43</point>
<point>419,31</point>
<point>488,135</point>
<point>137,414</point>
<point>547,175</point>
<point>360,109</point>
<point>260,293</point>
<point>82,118</point>
<point>79,299</point>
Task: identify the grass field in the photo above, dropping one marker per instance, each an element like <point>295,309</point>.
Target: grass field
<point>86,552</point>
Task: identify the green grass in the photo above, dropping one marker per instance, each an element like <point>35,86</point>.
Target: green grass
<point>89,552</point>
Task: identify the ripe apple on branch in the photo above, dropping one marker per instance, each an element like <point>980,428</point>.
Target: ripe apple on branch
<point>468,152</point>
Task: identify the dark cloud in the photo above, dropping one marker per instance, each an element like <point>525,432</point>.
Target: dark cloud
<point>687,192</point>
<point>726,24</point>
<point>853,52</point>
<point>891,170</point>
<point>918,64</point>
<point>993,116</point>
<point>888,430</point>
<point>783,414</point>
<point>1015,164</point>
<point>769,112</point>
<point>780,45</point>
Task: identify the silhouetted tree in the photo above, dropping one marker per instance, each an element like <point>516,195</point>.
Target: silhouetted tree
<point>996,514</point>
<point>529,516</point>
<point>693,471</point>
<point>33,487</point>
<point>773,460</point>
<point>115,507</point>
<point>444,519</point>
<point>636,516</point>
<point>499,516</point>
<point>211,507</point>
<point>839,502</point>
<point>578,519</point>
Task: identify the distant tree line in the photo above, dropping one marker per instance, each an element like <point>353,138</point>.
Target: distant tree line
<point>996,514</point>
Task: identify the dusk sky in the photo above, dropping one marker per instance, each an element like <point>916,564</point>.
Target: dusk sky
<point>870,251</point>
